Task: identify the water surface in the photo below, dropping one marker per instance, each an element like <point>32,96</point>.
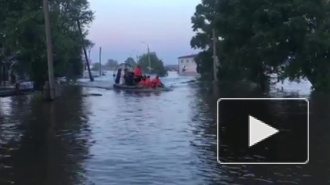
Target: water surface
<point>148,138</point>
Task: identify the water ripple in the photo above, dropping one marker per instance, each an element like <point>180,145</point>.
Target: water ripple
<point>131,138</point>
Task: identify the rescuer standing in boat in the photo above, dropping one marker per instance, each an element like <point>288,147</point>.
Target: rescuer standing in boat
<point>142,82</point>
<point>156,82</point>
<point>147,82</point>
<point>137,74</point>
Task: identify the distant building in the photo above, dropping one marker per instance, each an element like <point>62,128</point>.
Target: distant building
<point>187,65</point>
<point>172,67</point>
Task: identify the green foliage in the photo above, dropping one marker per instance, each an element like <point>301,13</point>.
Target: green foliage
<point>130,61</point>
<point>111,64</point>
<point>205,65</point>
<point>155,63</point>
<point>96,67</point>
<point>262,37</point>
<point>22,34</point>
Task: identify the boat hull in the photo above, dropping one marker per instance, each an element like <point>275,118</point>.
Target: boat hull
<point>139,88</point>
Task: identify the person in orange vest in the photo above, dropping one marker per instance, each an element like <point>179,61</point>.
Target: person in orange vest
<point>137,74</point>
<point>142,82</point>
<point>156,82</point>
<point>147,82</point>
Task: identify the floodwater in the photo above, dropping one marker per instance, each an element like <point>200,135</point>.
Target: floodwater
<point>149,138</point>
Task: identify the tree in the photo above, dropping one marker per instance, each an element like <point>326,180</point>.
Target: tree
<point>156,64</point>
<point>111,64</point>
<point>96,67</point>
<point>289,38</point>
<point>130,61</point>
<point>23,36</point>
<point>202,24</point>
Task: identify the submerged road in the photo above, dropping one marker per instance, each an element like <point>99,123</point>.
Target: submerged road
<point>139,138</point>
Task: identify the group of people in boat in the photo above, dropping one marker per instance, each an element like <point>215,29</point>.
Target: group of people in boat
<point>126,77</point>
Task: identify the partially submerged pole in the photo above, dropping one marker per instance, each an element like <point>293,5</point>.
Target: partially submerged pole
<point>215,57</point>
<point>51,80</point>
<point>100,65</point>
<point>85,53</point>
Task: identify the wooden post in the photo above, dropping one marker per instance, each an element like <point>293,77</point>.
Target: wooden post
<point>85,53</point>
<point>100,53</point>
<point>49,51</point>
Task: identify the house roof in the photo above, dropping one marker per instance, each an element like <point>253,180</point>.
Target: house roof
<point>188,56</point>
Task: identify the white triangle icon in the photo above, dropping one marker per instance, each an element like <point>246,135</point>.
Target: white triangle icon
<point>258,131</point>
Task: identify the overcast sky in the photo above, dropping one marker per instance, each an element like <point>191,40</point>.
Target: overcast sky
<point>121,25</point>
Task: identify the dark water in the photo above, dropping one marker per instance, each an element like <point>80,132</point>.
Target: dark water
<point>154,138</point>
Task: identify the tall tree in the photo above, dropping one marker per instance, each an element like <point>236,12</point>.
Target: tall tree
<point>25,37</point>
<point>96,67</point>
<point>289,38</point>
<point>111,64</point>
<point>155,63</point>
<point>130,61</point>
<point>203,24</point>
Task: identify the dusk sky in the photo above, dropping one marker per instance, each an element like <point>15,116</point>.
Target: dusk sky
<point>121,25</point>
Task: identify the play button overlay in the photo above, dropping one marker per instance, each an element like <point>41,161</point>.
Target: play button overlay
<point>263,131</point>
<point>259,131</point>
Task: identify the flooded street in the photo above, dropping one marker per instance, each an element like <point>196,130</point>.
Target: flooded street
<point>142,138</point>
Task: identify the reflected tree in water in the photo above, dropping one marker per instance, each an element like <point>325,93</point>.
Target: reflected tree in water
<point>54,142</point>
<point>204,141</point>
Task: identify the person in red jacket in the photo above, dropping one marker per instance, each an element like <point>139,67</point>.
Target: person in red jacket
<point>147,82</point>
<point>156,82</point>
<point>142,82</point>
<point>137,74</point>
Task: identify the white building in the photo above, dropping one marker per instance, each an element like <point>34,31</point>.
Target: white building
<point>187,65</point>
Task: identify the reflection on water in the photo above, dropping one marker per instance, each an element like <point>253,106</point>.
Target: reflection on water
<point>43,143</point>
<point>141,138</point>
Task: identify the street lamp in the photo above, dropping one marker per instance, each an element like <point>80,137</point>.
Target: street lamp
<point>148,54</point>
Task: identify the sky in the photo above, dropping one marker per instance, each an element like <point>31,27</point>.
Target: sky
<point>120,26</point>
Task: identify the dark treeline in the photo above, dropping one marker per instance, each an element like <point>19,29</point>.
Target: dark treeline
<point>261,37</point>
<point>156,64</point>
<point>111,64</point>
<point>22,36</point>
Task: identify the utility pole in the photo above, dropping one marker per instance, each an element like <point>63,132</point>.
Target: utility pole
<point>100,64</point>
<point>149,59</point>
<point>148,56</point>
<point>215,57</point>
<point>84,49</point>
<point>49,52</point>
